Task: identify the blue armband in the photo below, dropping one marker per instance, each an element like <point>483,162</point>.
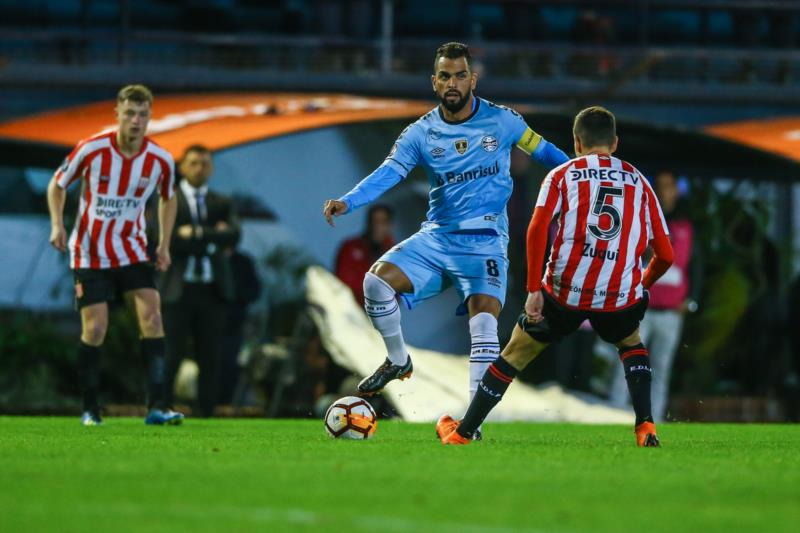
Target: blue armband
<point>381,180</point>
<point>549,154</point>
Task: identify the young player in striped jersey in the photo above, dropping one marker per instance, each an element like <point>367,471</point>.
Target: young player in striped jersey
<point>465,146</point>
<point>607,216</point>
<point>117,171</point>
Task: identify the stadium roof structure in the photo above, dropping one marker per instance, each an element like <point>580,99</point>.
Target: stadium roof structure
<point>766,149</point>
<point>780,135</point>
<point>219,120</point>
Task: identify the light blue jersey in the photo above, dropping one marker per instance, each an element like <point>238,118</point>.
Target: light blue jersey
<point>467,164</point>
<point>468,168</point>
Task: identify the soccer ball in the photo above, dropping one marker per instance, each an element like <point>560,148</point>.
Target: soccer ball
<point>351,418</point>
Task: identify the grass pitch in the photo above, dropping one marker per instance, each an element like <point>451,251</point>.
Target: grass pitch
<point>278,475</point>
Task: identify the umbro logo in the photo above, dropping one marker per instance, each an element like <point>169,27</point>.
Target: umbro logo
<point>438,152</point>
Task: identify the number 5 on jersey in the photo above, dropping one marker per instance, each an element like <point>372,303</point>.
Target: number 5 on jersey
<point>600,207</point>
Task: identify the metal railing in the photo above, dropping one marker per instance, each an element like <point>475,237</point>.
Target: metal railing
<point>313,62</point>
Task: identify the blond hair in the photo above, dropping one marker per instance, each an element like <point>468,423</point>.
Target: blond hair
<point>135,93</point>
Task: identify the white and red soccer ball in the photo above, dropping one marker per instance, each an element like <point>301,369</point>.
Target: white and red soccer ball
<point>351,418</point>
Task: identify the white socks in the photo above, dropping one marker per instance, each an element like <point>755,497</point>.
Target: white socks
<point>485,348</point>
<point>384,313</point>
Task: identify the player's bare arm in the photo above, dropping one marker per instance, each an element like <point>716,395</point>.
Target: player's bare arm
<point>662,259</point>
<point>536,244</point>
<point>167,209</point>
<point>333,208</point>
<point>56,197</point>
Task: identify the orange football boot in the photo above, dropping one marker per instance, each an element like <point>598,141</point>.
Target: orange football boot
<point>446,430</point>
<point>646,435</point>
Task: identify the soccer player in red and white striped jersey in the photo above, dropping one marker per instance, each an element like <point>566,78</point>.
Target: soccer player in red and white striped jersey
<point>117,173</point>
<point>607,215</point>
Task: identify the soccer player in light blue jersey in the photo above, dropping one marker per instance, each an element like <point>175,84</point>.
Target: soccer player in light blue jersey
<point>464,145</point>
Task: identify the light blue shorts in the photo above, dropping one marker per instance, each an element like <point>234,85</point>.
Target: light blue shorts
<point>472,263</point>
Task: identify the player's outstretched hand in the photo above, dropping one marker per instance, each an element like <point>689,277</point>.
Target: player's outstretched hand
<point>163,259</point>
<point>533,306</point>
<point>333,208</point>
<point>58,237</point>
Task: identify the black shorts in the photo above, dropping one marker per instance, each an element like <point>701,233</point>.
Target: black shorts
<point>559,321</point>
<point>96,285</point>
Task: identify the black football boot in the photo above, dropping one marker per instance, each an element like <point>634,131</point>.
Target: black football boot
<point>385,373</point>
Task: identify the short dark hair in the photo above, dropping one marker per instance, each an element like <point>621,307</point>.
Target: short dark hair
<point>198,148</point>
<point>379,207</point>
<point>595,126</point>
<point>135,93</point>
<point>452,51</point>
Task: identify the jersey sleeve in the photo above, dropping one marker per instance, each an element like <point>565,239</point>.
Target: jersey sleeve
<point>402,158</point>
<point>381,180</point>
<point>512,125</point>
<point>550,193</point>
<point>69,171</point>
<point>540,149</point>
<point>405,153</point>
<point>166,185</point>
<point>654,217</point>
<point>547,204</point>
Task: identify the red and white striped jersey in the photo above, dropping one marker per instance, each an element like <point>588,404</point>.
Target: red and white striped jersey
<point>110,229</point>
<point>607,214</point>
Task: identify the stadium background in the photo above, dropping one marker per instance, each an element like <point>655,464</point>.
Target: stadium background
<point>708,89</point>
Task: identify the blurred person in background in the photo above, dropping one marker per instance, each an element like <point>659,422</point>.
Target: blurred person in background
<point>357,255</point>
<point>673,296</point>
<point>199,285</point>
<point>596,31</point>
<point>118,171</point>
<point>246,291</point>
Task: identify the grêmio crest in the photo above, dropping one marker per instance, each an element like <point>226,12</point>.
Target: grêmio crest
<point>461,146</point>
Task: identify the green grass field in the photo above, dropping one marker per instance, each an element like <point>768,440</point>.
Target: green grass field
<point>268,475</point>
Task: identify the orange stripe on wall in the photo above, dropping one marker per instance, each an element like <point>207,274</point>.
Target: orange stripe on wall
<point>777,135</point>
<point>217,120</point>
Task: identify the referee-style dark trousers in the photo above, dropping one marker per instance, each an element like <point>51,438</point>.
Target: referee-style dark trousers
<point>194,326</point>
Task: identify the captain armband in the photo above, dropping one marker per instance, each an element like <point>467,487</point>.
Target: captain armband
<point>529,141</point>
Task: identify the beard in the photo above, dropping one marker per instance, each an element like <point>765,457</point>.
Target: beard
<point>454,106</point>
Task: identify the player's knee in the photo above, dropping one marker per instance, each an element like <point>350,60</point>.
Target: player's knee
<point>150,322</point>
<point>483,304</point>
<point>94,331</point>
<point>630,341</point>
<point>392,276</point>
<point>483,324</point>
<point>376,288</point>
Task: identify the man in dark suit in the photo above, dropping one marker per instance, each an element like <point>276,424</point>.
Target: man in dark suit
<point>199,284</point>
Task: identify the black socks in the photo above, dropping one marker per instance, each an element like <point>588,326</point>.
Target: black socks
<point>636,361</point>
<point>89,375</point>
<point>153,352</point>
<point>490,391</point>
